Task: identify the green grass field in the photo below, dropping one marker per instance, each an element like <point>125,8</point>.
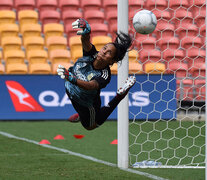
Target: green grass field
<point>24,160</point>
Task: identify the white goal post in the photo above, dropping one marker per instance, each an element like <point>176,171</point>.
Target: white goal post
<point>180,141</point>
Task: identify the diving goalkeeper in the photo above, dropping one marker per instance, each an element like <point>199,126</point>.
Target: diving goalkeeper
<point>90,74</point>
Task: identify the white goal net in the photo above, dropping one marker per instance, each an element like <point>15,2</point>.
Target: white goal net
<point>170,128</point>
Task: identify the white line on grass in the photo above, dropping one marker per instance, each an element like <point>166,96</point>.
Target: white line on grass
<point>82,156</point>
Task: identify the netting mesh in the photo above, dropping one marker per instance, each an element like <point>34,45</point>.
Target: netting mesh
<point>176,48</point>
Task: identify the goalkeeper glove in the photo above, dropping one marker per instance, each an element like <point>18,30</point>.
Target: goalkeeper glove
<point>83,25</point>
<point>65,74</point>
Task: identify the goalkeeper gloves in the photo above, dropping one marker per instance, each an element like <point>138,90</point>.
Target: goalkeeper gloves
<point>65,74</point>
<point>83,25</point>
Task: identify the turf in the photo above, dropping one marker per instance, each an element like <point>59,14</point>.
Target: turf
<point>22,160</point>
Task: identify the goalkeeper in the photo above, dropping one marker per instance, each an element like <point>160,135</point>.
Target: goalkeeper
<point>90,74</point>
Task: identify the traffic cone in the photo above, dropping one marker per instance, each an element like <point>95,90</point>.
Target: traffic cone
<point>59,137</point>
<point>78,136</point>
<point>44,141</point>
<point>114,141</point>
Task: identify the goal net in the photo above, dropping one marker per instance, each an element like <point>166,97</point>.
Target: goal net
<point>169,130</point>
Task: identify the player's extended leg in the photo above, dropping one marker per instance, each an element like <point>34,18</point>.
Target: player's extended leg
<point>121,93</point>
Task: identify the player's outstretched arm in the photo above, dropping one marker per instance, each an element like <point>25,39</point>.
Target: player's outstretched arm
<point>68,76</point>
<point>84,30</point>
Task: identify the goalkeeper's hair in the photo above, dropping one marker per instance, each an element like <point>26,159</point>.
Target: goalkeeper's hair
<point>122,43</point>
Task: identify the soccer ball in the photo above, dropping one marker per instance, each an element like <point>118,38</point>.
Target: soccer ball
<point>144,22</point>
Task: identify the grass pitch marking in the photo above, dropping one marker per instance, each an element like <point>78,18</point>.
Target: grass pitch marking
<point>82,156</point>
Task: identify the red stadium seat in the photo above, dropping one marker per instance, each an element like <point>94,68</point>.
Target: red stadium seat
<point>66,5</point>
<point>91,5</point>
<point>152,55</point>
<point>6,4</point>
<point>200,89</point>
<point>188,42</point>
<point>187,30</point>
<point>156,4</point>
<point>173,55</point>
<point>111,17</point>
<point>178,4</point>
<point>25,5</point>
<point>148,43</point>
<point>47,5</point>
<point>49,16</point>
<point>199,70</point>
<point>162,15</point>
<point>164,30</point>
<point>197,5</point>
<point>199,17</point>
<point>135,6</point>
<point>169,43</point>
<point>69,17</point>
<point>202,32</point>
<point>99,30</point>
<point>179,68</point>
<point>70,31</point>
<point>94,16</point>
<point>109,5</point>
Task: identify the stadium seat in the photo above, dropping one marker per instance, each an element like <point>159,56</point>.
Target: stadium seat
<point>135,67</point>
<point>6,4</point>
<point>109,5</point>
<point>187,30</point>
<point>34,43</point>
<point>49,16</point>
<point>43,5</point>
<point>11,43</point>
<point>184,90</point>
<point>174,5</point>
<point>66,5</point>
<point>69,17</point>
<point>94,16</point>
<point>76,54</point>
<point>199,70</point>
<point>29,30</point>
<point>156,4</point>
<point>2,68</point>
<point>56,42</point>
<point>111,17</point>
<point>55,66</point>
<point>25,5</point>
<point>114,68</point>
<point>7,17</point>
<point>99,29</point>
<point>91,5</point>
<point>197,5</point>
<point>100,41</point>
<point>200,89</point>
<point>199,17</point>
<point>188,42</point>
<point>16,68</point>
<point>135,6</point>
<point>148,43</point>
<point>154,68</point>
<point>7,30</point>
<point>162,16</point>
<point>75,45</point>
<point>164,30</point>
<point>40,68</point>
<point>169,43</point>
<point>14,56</point>
<point>170,55</point>
<point>133,56</point>
<point>37,56</point>
<point>152,55</point>
<point>27,17</point>
<point>202,32</point>
<point>53,29</point>
<point>179,68</point>
<point>70,31</point>
<point>60,56</point>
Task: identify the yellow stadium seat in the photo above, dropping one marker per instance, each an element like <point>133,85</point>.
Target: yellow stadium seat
<point>100,41</point>
<point>37,56</point>
<point>53,29</point>
<point>14,56</point>
<point>60,55</point>
<point>11,43</point>
<point>29,30</point>
<point>7,17</point>
<point>155,68</point>
<point>114,68</point>
<point>16,68</point>
<point>9,30</point>
<point>2,67</point>
<point>75,43</point>
<point>39,68</point>
<point>55,66</point>
<point>135,67</point>
<point>133,55</point>
<point>56,42</point>
<point>34,43</point>
<point>27,17</point>
<point>76,54</point>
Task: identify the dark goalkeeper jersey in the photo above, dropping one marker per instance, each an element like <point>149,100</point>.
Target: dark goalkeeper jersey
<point>83,69</point>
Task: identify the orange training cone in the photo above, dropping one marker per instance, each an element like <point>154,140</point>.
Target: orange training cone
<point>44,141</point>
<point>114,141</point>
<point>59,137</point>
<point>78,136</point>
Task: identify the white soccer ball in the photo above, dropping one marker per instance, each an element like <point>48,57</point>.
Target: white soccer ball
<point>144,22</point>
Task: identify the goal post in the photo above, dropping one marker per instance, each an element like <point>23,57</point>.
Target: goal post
<point>172,57</point>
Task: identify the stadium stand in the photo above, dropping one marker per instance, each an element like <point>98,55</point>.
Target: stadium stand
<point>148,43</point>
<point>56,42</point>
<point>2,68</point>
<point>39,68</point>
<point>152,55</point>
<point>29,30</point>
<point>69,31</point>
<point>154,68</point>
<point>100,41</point>
<point>60,56</point>
<point>16,68</point>
<point>34,43</point>
<point>49,16</point>
<point>99,29</point>
<point>66,5</point>
<point>69,17</point>
<point>161,4</point>
<point>11,43</point>
<point>94,16</point>
<point>43,5</point>
<point>200,89</point>
<point>24,5</point>
<point>169,43</point>
<point>53,29</point>
<point>6,5</point>
<point>75,47</point>
<point>109,5</point>
<point>133,56</point>
<point>91,5</point>
<point>7,17</point>
<point>37,56</point>
<point>8,30</point>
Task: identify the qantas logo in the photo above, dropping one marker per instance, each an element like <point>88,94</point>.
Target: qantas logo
<point>22,100</point>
